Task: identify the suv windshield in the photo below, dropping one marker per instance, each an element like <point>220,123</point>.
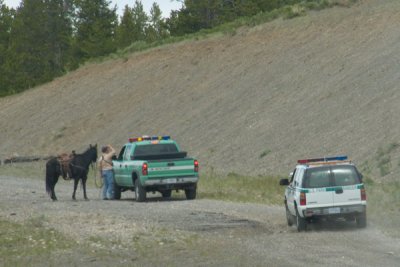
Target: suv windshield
<point>155,149</point>
<point>331,176</point>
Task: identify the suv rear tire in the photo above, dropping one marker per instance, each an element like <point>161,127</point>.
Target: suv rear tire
<point>289,217</point>
<point>301,223</point>
<point>361,220</point>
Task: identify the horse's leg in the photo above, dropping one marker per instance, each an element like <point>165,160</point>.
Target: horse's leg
<point>84,187</point>
<point>53,192</point>
<point>76,181</point>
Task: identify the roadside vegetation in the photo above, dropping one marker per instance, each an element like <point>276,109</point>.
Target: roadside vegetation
<point>31,241</point>
<point>23,244</point>
<point>381,194</point>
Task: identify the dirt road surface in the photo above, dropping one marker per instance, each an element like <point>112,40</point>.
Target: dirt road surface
<point>178,232</point>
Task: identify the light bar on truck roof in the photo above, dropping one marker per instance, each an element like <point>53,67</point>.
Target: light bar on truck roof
<point>325,159</point>
<point>149,138</point>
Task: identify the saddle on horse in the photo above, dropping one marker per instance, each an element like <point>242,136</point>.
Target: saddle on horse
<point>64,159</point>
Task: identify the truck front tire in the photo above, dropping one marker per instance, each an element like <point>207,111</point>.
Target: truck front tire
<point>117,191</point>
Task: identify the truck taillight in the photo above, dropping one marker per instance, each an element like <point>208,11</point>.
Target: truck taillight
<point>196,166</point>
<point>303,199</point>
<point>144,169</point>
<point>363,194</point>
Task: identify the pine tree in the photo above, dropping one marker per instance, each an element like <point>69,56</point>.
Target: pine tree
<point>59,33</point>
<point>156,29</point>
<point>95,29</point>
<point>27,54</point>
<point>39,42</point>
<point>6,19</point>
<point>140,20</point>
<point>125,30</point>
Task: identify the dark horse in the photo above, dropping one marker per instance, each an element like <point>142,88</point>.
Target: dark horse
<point>78,170</point>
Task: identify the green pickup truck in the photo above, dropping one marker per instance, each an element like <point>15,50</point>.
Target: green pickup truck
<point>154,164</point>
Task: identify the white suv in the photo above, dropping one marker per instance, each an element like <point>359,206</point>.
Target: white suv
<point>325,187</point>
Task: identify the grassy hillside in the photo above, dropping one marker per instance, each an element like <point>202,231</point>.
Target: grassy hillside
<point>246,102</point>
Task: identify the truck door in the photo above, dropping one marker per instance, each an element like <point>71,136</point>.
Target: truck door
<point>117,165</point>
<point>126,167</point>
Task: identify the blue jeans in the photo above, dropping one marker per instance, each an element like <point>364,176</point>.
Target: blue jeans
<point>108,184</point>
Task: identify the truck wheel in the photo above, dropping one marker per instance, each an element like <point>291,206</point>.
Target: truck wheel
<point>361,220</point>
<point>117,191</point>
<point>190,193</point>
<point>166,193</point>
<point>301,223</point>
<point>139,191</point>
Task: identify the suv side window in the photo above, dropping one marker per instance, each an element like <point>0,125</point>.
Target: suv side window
<point>298,176</point>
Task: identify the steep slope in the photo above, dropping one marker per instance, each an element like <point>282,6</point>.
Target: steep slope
<point>251,102</point>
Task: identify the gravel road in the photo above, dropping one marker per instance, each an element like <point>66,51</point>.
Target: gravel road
<point>178,232</point>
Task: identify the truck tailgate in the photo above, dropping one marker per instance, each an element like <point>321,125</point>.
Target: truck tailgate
<point>171,168</point>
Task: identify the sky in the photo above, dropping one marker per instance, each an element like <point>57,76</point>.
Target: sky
<point>165,5</point>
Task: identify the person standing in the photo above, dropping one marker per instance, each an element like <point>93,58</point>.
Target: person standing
<point>106,171</point>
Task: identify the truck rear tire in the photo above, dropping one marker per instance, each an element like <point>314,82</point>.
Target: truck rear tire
<point>140,192</point>
<point>190,193</point>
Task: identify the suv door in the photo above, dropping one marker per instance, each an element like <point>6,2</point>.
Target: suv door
<point>347,185</point>
<point>319,192</point>
<point>292,189</point>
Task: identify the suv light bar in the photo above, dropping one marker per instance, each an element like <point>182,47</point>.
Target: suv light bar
<point>325,159</point>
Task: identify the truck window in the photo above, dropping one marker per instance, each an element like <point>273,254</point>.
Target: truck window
<point>155,149</point>
<point>317,177</point>
<point>345,175</point>
<point>127,152</point>
<point>121,153</point>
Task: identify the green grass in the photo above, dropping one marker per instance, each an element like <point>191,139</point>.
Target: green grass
<point>29,242</point>
<point>383,208</point>
<point>234,187</point>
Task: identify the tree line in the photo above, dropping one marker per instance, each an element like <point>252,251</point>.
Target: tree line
<point>43,39</point>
